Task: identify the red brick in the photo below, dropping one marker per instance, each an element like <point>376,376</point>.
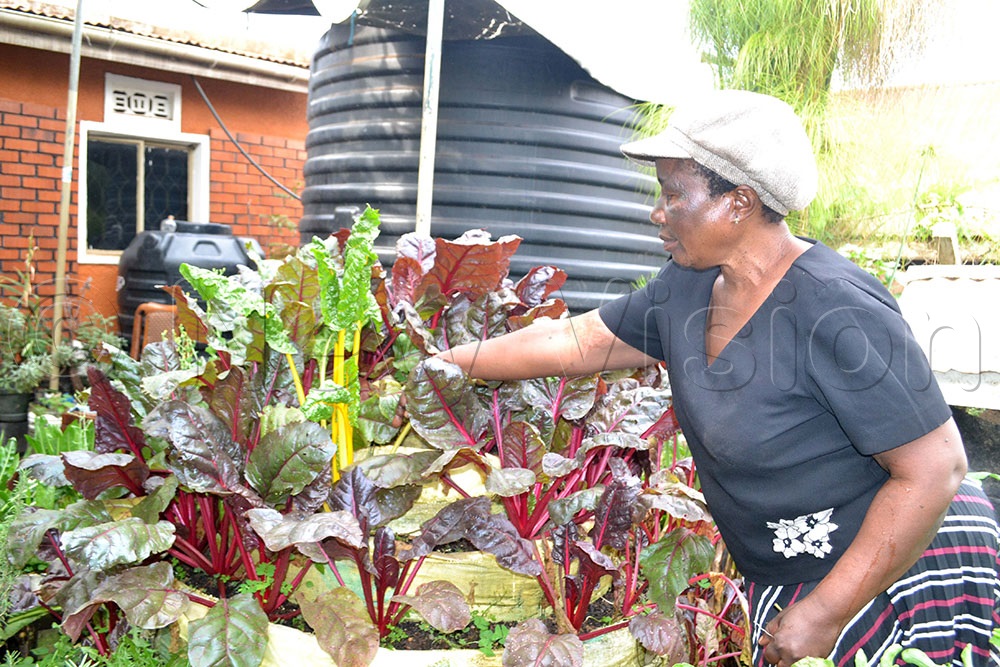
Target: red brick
<point>42,111</point>
<point>41,135</point>
<point>52,147</point>
<point>38,158</point>
<point>51,124</point>
<point>51,193</point>
<point>16,144</point>
<point>17,193</point>
<point>20,120</point>
<point>38,206</point>
<point>36,183</point>
<point>10,181</point>
<point>10,106</point>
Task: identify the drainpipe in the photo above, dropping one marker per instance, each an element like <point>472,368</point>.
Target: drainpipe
<point>67,182</point>
<point>428,123</point>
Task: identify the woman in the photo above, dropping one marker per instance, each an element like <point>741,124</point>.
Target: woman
<point>827,455</point>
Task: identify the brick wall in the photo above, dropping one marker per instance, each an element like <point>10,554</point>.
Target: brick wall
<point>31,147</point>
<point>246,199</point>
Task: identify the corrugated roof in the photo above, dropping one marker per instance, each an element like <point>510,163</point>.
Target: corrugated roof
<point>299,54</point>
<point>952,310</point>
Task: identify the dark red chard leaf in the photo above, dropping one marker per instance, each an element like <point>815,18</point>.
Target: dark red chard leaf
<point>92,474</point>
<point>312,497</point>
<point>443,407</point>
<point>564,538</point>
<point>662,635</point>
<point>356,494</point>
<point>236,401</point>
<point>406,276</point>
<point>629,408</point>
<point>530,643</point>
<point>190,316</point>
<point>614,511</point>
<point>495,534</point>
<point>569,399</point>
<point>472,264</point>
<point>551,309</point>
<point>114,430</point>
<point>384,564</point>
<point>538,284</point>
<point>665,427</point>
<point>441,604</point>
<point>486,317</point>
<point>203,454</point>
<point>418,248</point>
<point>470,518</point>
<point>294,292</point>
<point>288,459</point>
<point>522,447</point>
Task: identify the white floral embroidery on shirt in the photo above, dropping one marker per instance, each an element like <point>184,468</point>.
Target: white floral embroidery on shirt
<point>808,534</point>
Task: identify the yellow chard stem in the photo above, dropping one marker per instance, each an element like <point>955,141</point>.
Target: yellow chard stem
<point>295,378</point>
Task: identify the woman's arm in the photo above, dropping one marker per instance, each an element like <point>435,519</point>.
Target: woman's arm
<point>574,346</point>
<point>903,519</point>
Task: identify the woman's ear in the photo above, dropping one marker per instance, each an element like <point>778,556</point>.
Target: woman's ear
<point>746,203</point>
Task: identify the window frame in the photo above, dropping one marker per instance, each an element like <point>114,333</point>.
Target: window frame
<point>199,178</point>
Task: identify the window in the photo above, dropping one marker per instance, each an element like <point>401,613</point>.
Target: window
<point>129,184</point>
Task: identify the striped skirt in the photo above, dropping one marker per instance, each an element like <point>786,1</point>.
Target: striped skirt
<point>949,598</point>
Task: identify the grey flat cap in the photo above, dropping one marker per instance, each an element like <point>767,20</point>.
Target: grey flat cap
<point>747,138</point>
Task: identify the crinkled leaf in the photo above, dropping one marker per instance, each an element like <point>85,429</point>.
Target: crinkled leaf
<point>236,401</point>
<point>315,494</point>
<point>204,456</point>
<point>397,501</point>
<point>552,309</point>
<point>615,439</point>
<point>280,531</point>
<point>356,494</point>
<point>669,563</point>
<point>507,482</point>
<point>541,281</point>
<point>563,397</point>
<point>356,305</point>
<point>486,317</point>
<point>92,474</point>
<point>676,499</point>
<point>522,447</point>
<point>157,500</point>
<point>190,315</point>
<point>630,408</point>
<point>287,460</point>
<point>471,519</point>
<point>378,413</point>
<point>29,529</point>
<point>322,398</point>
<point>78,599</point>
<point>114,430</point>
<point>614,511</point>
<point>662,635</point>
<point>417,247</point>
<point>342,627</point>
<point>562,510</point>
<point>406,276</point>
<point>443,407</point>
<point>389,470</point>
<point>122,542</point>
<point>441,604</point>
<point>472,264</point>
<point>384,564</point>
<point>46,468</point>
<point>530,643</point>
<point>229,635</point>
<point>147,595</point>
<point>556,466</point>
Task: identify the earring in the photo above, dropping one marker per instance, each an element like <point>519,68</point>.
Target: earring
<point>737,220</point>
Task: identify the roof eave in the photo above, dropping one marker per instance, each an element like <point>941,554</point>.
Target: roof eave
<point>51,34</point>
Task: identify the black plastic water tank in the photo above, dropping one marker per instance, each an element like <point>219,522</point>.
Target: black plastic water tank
<point>154,257</point>
<point>527,144</point>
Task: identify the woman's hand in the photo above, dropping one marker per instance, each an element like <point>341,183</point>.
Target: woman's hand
<point>804,629</point>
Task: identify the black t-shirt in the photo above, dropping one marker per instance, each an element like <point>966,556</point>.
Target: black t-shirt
<point>783,424</point>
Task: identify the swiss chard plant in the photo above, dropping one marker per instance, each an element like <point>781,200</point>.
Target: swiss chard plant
<point>575,463</point>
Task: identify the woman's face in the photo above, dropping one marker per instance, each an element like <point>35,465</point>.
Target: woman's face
<point>696,228</point>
